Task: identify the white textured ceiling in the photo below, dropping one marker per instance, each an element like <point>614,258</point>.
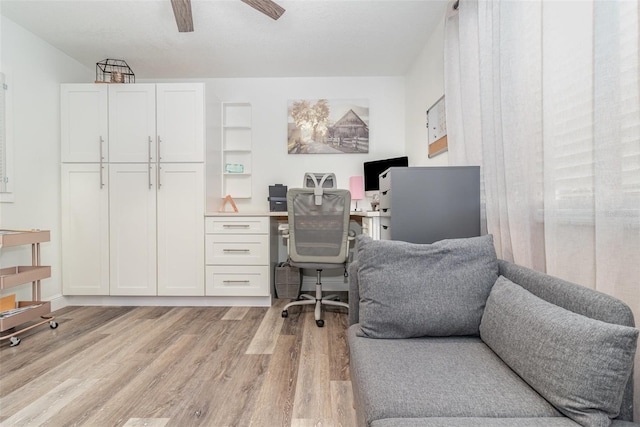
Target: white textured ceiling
<point>313,37</point>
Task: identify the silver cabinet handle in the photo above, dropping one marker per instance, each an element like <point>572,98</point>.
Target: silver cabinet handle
<point>101,159</point>
<point>236,250</point>
<point>159,183</point>
<point>235,226</point>
<point>159,141</point>
<point>235,281</point>
<point>149,162</point>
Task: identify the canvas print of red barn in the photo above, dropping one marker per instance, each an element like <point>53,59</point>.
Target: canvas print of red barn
<point>322,126</point>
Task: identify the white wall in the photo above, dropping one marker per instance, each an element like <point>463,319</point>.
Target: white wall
<point>268,97</point>
<point>424,86</point>
<point>35,70</point>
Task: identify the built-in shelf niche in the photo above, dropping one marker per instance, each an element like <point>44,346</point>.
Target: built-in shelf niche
<point>236,150</point>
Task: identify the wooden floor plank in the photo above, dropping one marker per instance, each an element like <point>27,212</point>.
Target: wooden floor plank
<point>264,341</point>
<point>313,398</point>
<point>342,403</point>
<point>274,406</point>
<point>51,402</point>
<point>146,422</point>
<point>235,313</point>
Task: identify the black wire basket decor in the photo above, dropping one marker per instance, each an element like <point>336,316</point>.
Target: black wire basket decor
<point>114,71</point>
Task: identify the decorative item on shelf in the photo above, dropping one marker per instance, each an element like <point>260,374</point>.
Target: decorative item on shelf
<point>356,187</point>
<point>228,199</point>
<point>233,168</point>
<point>114,71</point>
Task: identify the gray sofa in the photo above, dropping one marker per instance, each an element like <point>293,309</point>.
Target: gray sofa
<point>448,335</point>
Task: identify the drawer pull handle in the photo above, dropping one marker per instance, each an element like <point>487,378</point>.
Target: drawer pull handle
<point>235,226</point>
<point>236,281</point>
<point>236,250</point>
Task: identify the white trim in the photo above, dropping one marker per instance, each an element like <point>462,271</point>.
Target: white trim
<point>63,301</point>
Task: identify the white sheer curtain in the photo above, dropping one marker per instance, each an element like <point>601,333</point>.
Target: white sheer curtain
<point>545,96</point>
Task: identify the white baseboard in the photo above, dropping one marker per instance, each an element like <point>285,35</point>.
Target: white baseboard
<point>64,301</point>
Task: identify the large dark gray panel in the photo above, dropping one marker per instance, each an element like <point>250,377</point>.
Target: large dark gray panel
<point>427,204</point>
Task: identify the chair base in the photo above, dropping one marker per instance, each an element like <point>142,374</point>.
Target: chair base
<point>318,300</point>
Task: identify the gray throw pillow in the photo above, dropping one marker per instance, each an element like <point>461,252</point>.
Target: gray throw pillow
<point>416,290</point>
<point>580,365</point>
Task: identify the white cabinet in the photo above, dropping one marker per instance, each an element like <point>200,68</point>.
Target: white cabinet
<point>156,229</point>
<point>236,150</point>
<point>85,229</point>
<point>179,122</point>
<point>237,256</point>
<point>132,223</point>
<point>84,124</point>
<point>132,123</point>
<point>132,202</point>
<point>180,206</point>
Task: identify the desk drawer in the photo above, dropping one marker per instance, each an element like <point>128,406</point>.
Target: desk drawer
<point>237,281</point>
<point>249,249</point>
<point>385,199</point>
<point>385,228</point>
<point>385,181</point>
<point>237,225</point>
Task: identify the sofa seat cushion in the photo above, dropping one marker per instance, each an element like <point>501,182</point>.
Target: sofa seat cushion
<point>476,422</point>
<point>417,290</point>
<point>437,377</point>
<point>580,365</point>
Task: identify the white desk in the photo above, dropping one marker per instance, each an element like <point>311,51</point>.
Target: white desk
<point>242,249</point>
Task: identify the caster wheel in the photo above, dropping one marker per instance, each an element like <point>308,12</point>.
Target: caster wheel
<point>14,341</point>
<point>285,313</point>
<point>53,324</point>
<point>320,323</point>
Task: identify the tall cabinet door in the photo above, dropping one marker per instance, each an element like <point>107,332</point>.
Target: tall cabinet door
<point>132,219</point>
<point>132,123</point>
<point>181,229</point>
<point>180,122</point>
<point>84,124</point>
<point>85,230</point>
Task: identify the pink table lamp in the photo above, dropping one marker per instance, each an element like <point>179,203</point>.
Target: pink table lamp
<point>356,187</point>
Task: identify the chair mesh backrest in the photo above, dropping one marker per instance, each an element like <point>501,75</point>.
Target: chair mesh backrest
<point>318,233</point>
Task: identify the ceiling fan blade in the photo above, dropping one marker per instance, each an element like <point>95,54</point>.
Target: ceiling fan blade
<point>182,12</point>
<point>268,7</point>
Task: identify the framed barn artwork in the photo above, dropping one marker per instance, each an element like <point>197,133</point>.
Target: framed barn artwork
<point>324,126</point>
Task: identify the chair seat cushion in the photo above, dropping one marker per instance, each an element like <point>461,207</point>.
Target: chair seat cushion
<point>437,377</point>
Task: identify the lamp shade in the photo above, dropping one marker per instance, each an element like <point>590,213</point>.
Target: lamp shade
<point>356,187</point>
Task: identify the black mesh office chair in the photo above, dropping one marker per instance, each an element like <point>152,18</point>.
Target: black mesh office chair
<point>318,238</point>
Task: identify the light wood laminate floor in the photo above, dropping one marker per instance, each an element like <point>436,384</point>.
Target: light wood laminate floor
<point>179,366</point>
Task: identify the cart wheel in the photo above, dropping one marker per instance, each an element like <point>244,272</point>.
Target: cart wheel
<point>320,323</point>
<point>53,324</point>
<point>14,341</point>
<point>285,313</point>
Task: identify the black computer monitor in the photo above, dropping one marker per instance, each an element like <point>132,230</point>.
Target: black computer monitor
<point>373,169</point>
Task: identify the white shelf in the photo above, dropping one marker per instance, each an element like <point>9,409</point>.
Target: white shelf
<point>236,149</point>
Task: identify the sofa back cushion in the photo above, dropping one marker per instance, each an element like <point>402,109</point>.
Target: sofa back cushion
<point>416,290</point>
<point>580,365</point>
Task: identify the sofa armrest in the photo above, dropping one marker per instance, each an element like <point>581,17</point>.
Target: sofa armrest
<point>354,294</point>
